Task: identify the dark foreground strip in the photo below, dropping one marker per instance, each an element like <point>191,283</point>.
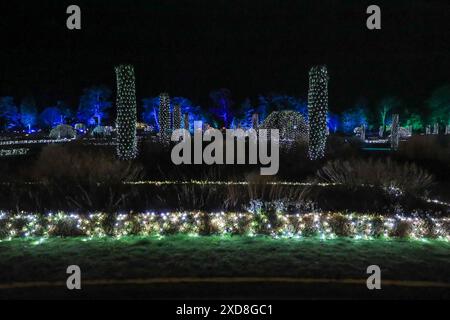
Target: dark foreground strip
<point>199,280</point>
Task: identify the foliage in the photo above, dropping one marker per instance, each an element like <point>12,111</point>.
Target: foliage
<point>387,174</point>
<point>28,113</point>
<point>243,117</point>
<point>353,118</point>
<point>9,115</point>
<point>439,105</point>
<point>269,219</point>
<point>85,178</point>
<point>62,131</point>
<point>280,102</point>
<point>386,106</point>
<point>94,104</point>
<point>53,116</point>
<point>415,121</point>
<point>150,113</point>
<point>333,122</point>
<point>222,105</point>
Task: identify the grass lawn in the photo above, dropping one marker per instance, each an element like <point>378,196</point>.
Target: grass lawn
<point>215,256</point>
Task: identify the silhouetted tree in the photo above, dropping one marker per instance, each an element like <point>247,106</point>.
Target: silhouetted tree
<point>439,105</point>
<point>222,105</point>
<point>9,115</point>
<point>94,104</point>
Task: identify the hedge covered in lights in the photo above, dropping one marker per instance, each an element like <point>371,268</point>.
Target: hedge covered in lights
<point>276,224</point>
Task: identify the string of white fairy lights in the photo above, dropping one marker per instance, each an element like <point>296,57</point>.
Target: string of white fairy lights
<point>280,224</point>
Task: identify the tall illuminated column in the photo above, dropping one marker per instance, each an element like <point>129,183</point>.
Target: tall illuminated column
<point>164,117</point>
<point>317,111</point>
<point>126,112</point>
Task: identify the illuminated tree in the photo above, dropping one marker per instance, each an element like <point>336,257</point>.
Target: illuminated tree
<point>28,113</point>
<point>53,116</point>
<point>126,112</point>
<point>385,106</point>
<point>317,111</point>
<point>151,110</point>
<point>414,121</point>
<point>439,105</point>
<point>164,117</point>
<point>280,102</point>
<point>222,105</point>
<point>94,104</point>
<point>332,122</point>
<point>354,117</point>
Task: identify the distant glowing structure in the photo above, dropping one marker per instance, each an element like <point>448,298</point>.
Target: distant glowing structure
<point>126,113</point>
<point>317,111</point>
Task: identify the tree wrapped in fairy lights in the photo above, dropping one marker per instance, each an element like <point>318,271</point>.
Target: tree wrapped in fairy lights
<point>176,117</point>
<point>126,112</point>
<point>317,111</point>
<point>164,117</point>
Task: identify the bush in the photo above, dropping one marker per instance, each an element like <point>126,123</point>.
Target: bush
<point>87,179</point>
<point>429,147</point>
<point>379,173</point>
<point>62,131</point>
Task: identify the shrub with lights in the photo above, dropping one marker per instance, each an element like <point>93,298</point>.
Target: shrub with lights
<point>317,111</point>
<point>126,113</point>
<point>273,222</point>
<point>291,124</point>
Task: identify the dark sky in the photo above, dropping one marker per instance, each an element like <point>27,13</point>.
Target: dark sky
<point>189,47</point>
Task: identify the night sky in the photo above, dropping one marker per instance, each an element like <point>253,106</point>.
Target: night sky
<point>190,47</point>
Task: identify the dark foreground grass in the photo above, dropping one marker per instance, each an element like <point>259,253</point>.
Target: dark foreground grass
<point>215,256</point>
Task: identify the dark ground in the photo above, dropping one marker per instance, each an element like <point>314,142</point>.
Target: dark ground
<point>226,257</point>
